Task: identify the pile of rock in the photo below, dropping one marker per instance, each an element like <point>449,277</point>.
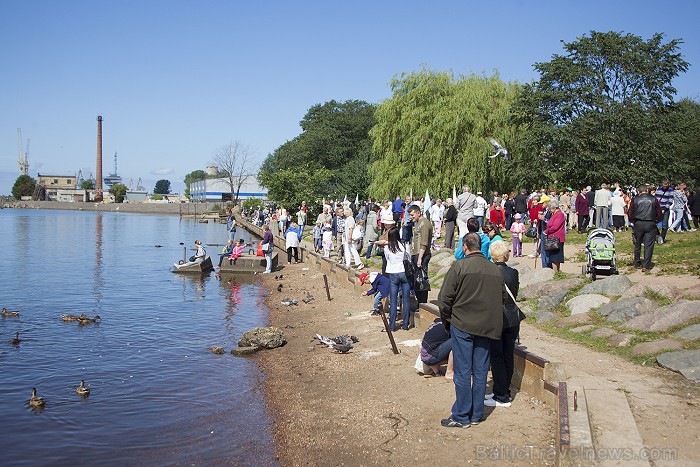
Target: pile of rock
<point>625,307</point>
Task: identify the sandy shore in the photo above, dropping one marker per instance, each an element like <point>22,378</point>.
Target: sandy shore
<point>370,406</point>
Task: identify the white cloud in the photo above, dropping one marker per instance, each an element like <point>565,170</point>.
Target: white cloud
<point>163,171</point>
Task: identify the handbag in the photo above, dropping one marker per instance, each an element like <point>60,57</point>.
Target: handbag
<point>521,315</point>
<point>408,265</point>
<point>265,247</point>
<point>356,233</point>
<point>552,244</point>
<point>531,232</point>
<point>421,283</point>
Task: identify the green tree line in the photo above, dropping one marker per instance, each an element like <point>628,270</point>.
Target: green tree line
<point>602,111</point>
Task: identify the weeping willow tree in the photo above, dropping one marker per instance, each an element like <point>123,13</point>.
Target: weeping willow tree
<point>434,133</point>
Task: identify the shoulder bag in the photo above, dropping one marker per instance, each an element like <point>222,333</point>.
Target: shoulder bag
<point>521,315</point>
<point>531,231</point>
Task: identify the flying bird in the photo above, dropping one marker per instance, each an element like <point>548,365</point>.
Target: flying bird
<point>500,150</point>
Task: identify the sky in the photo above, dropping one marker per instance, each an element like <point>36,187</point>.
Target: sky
<point>176,80</point>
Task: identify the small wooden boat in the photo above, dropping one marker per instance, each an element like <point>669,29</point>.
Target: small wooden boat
<point>194,267</point>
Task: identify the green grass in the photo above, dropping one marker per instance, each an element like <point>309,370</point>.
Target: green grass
<point>679,255</point>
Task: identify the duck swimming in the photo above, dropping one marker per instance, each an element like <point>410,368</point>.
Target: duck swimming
<point>9,314</point>
<point>82,389</point>
<point>36,401</point>
<point>16,339</point>
<point>83,319</point>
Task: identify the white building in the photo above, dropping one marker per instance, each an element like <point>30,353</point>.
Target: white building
<point>218,189</point>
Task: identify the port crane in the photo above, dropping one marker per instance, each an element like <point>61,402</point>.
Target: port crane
<point>23,156</point>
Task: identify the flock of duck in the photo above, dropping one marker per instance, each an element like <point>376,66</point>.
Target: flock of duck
<point>36,401</point>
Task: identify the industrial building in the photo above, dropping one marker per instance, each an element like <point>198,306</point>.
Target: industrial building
<point>60,188</point>
<point>218,189</point>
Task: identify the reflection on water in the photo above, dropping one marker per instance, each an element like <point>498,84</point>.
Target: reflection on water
<point>157,396</point>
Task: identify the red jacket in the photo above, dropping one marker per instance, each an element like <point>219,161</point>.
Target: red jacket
<point>555,226</point>
<point>497,217</point>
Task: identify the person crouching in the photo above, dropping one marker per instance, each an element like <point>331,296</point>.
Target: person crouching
<point>381,287</point>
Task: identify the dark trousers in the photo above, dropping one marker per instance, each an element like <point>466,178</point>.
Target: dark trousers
<point>502,363</point>
<point>664,226</point>
<point>422,297</point>
<point>582,222</point>
<point>644,233</point>
<point>289,254</point>
<point>449,234</point>
<point>696,220</point>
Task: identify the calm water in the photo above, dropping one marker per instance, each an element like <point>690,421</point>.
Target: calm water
<point>158,397</point>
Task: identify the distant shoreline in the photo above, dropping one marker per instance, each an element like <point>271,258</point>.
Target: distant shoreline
<point>181,209</point>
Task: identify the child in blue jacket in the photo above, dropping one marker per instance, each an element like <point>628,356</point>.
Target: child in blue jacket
<point>380,287</point>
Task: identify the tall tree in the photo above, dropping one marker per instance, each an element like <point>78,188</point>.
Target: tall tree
<point>594,114</point>
<point>119,191</point>
<point>331,155</point>
<point>24,186</point>
<point>434,133</point>
<point>162,187</point>
<point>233,162</point>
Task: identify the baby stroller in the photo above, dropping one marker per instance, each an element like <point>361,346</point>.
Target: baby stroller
<point>600,249</point>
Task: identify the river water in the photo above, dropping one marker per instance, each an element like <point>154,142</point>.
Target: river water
<point>157,395</point>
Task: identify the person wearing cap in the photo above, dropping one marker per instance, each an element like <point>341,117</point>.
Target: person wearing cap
<point>327,240</point>
<point>555,227</point>
<point>517,228</point>
<point>381,288</point>
<point>480,208</point>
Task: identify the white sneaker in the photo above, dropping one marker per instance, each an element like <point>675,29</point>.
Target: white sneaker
<point>488,396</point>
<point>495,403</point>
<point>531,255</point>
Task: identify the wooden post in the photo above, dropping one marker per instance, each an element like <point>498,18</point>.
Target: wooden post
<point>328,292</point>
<point>388,330</point>
<point>184,254</point>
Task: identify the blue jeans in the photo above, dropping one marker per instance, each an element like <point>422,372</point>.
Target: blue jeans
<point>544,255</point>
<point>368,254</point>
<point>377,298</point>
<point>481,220</point>
<point>470,356</point>
<point>679,217</point>
<point>397,280</point>
<point>232,234</point>
<point>443,353</point>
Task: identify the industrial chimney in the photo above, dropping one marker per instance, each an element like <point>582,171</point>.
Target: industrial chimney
<point>98,176</point>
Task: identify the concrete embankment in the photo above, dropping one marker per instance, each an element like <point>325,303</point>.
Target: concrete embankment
<point>181,209</point>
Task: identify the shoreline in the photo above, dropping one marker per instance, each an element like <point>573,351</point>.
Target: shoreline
<point>370,406</point>
<point>182,209</point>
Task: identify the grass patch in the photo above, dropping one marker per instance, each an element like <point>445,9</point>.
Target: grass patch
<point>654,296</point>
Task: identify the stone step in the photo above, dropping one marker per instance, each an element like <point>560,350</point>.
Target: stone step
<point>616,438</point>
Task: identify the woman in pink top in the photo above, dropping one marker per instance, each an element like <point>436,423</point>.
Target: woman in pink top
<point>555,228</point>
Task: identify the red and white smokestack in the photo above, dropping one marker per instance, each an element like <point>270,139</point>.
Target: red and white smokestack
<point>98,176</point>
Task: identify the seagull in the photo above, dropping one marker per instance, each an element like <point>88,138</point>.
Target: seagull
<point>500,150</point>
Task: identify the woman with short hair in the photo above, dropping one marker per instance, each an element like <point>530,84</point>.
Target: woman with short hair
<point>555,227</point>
<point>502,359</point>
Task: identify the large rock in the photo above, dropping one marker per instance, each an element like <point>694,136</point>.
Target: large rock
<point>535,276</point>
<point>521,267</point>
<point>541,288</point>
<point>656,346</point>
<point>666,317</point>
<point>584,328</point>
<point>584,303</point>
<point>626,308</point>
<point>263,338</point>
<point>552,299</point>
<point>638,290</point>
<point>621,340</point>
<point>689,333</point>
<point>443,259</point>
<point>693,293</point>
<point>686,362</point>
<point>574,320</point>
<point>613,285</point>
<point>603,332</point>
<point>544,316</point>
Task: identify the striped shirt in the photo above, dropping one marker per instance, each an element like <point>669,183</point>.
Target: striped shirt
<point>665,196</point>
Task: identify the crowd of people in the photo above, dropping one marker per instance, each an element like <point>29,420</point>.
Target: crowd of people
<point>480,320</point>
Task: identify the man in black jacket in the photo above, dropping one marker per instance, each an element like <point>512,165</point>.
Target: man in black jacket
<point>645,212</point>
